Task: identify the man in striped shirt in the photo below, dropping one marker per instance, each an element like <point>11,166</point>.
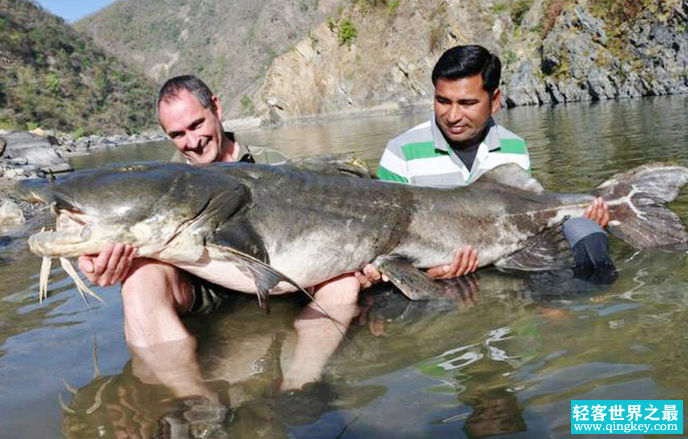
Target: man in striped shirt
<point>462,141</point>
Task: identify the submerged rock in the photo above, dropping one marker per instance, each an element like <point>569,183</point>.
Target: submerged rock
<point>10,213</point>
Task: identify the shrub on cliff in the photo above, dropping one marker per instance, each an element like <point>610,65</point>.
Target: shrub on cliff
<point>346,32</point>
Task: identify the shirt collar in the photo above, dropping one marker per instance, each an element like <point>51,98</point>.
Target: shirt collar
<point>491,139</point>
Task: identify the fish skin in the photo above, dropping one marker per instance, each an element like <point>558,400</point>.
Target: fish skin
<point>224,221</point>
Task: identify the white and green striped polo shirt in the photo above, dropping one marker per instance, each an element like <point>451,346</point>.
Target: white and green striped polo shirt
<point>422,157</point>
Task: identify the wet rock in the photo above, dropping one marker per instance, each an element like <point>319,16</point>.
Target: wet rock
<point>600,85</point>
<point>19,161</point>
<point>103,142</point>
<point>10,213</point>
<point>13,173</point>
<point>556,96</point>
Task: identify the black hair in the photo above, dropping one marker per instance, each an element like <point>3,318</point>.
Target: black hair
<point>173,86</point>
<point>464,61</point>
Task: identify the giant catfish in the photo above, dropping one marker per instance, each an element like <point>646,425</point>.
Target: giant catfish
<point>273,229</point>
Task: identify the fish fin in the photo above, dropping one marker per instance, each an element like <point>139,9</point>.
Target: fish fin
<point>333,164</point>
<point>80,285</point>
<point>413,282</point>
<point>637,199</point>
<point>513,175</point>
<point>245,246</point>
<point>264,276</point>
<point>548,250</point>
<point>267,278</point>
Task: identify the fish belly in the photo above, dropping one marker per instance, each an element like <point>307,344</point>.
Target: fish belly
<point>227,274</point>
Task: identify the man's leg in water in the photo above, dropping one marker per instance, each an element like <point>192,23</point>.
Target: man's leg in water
<point>153,296</point>
<point>317,335</point>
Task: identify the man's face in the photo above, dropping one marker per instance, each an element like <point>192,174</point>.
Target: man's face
<point>463,108</point>
<point>195,131</point>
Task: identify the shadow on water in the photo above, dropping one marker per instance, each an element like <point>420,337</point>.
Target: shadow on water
<point>502,355</point>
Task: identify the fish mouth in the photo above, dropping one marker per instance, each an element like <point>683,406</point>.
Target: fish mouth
<point>73,236</point>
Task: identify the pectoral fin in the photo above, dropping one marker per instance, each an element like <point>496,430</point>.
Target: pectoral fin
<point>264,276</point>
<point>414,283</point>
<point>548,250</point>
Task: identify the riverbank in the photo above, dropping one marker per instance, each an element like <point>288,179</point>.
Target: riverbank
<point>37,153</point>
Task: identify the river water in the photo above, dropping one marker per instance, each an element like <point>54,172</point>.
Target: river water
<point>506,359</point>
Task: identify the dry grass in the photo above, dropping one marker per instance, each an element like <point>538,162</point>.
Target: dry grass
<point>618,11</point>
<point>553,11</point>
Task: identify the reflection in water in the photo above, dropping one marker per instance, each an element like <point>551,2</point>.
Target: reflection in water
<point>495,412</point>
<point>240,390</point>
<point>243,356</point>
<point>503,355</point>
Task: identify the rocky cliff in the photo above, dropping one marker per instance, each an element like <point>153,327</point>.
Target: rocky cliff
<point>590,56</point>
<point>381,53</point>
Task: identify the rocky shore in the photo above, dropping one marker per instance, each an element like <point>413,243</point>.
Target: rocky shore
<point>39,153</point>
<point>35,153</point>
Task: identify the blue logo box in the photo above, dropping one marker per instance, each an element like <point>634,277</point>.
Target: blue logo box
<point>627,417</point>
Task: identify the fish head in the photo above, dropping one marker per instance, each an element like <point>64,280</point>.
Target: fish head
<point>147,205</point>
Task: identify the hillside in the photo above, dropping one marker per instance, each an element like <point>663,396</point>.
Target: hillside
<point>228,44</point>
<point>289,59</point>
<point>54,77</point>
<point>381,52</point>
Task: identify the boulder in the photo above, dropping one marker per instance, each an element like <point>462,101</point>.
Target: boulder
<point>10,213</point>
<point>34,150</point>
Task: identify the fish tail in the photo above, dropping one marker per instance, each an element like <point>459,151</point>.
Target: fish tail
<point>637,202</point>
